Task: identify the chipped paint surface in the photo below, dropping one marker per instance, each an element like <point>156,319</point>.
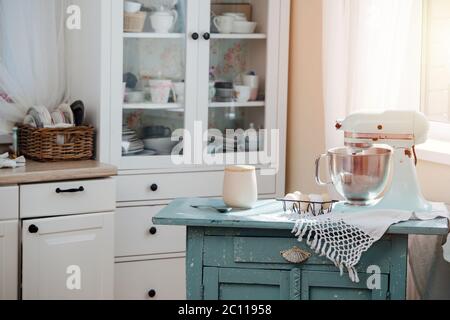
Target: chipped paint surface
<point>231,255</point>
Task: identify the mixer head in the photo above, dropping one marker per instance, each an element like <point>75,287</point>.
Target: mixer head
<point>399,129</point>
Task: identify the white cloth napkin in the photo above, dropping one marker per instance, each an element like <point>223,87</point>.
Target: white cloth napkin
<point>5,162</point>
<point>344,237</point>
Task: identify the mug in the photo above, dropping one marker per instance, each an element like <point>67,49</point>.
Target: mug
<point>160,90</point>
<point>163,21</point>
<point>242,93</point>
<point>224,23</point>
<point>253,83</point>
<point>179,88</point>
<point>240,188</point>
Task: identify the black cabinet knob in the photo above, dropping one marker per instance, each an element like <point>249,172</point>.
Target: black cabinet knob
<point>152,293</point>
<point>195,36</point>
<point>206,36</point>
<point>154,187</point>
<point>33,229</point>
<point>153,230</point>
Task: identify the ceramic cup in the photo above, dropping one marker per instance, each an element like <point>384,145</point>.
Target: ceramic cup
<point>240,189</point>
<point>163,21</point>
<point>160,90</point>
<point>224,23</point>
<point>179,88</point>
<point>242,93</point>
<point>253,83</point>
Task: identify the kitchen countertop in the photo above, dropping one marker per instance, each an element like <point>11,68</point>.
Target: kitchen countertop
<point>268,214</point>
<point>56,171</point>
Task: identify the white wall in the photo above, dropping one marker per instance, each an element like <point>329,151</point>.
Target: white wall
<point>306,133</point>
<point>88,66</point>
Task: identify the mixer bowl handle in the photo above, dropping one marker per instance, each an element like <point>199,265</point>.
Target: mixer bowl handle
<point>318,180</point>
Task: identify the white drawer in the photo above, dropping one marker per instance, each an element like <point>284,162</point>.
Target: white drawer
<point>180,185</point>
<point>165,278</point>
<point>9,199</point>
<point>56,199</point>
<point>136,235</point>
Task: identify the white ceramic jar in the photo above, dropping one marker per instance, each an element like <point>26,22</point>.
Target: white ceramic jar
<point>240,188</point>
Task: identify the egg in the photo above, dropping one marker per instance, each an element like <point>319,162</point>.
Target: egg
<point>304,204</point>
<point>316,198</point>
<point>290,197</point>
<point>326,198</point>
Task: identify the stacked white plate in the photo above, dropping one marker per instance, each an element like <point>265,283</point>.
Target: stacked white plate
<point>131,144</point>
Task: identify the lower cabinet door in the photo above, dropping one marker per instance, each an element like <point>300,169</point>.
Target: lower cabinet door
<point>9,267</point>
<point>318,285</point>
<point>68,257</point>
<point>162,279</point>
<point>246,284</point>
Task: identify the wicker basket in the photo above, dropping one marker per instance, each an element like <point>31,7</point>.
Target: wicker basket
<point>134,22</point>
<point>56,144</point>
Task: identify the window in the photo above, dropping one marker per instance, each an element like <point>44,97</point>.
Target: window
<point>436,67</point>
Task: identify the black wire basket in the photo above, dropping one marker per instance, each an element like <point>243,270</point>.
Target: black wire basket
<point>308,207</point>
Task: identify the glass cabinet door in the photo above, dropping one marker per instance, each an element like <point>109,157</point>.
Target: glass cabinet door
<point>156,88</point>
<point>237,75</point>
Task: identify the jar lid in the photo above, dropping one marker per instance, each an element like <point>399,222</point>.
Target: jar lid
<point>240,168</point>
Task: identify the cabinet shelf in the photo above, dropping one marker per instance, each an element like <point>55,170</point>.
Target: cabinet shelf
<point>153,106</point>
<point>238,36</point>
<point>152,35</point>
<point>250,104</point>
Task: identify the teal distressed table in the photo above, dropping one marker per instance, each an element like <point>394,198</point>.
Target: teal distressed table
<point>237,256</point>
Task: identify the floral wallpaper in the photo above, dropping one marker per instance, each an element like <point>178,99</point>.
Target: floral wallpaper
<point>165,58</point>
<point>228,58</point>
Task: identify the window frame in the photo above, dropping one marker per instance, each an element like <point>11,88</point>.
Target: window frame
<point>439,131</point>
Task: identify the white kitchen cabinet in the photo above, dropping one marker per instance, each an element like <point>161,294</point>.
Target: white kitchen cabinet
<point>67,198</point>
<point>163,146</point>
<point>135,234</point>
<point>9,255</point>
<point>162,279</point>
<point>9,242</point>
<point>69,257</point>
<point>180,185</point>
<point>195,56</point>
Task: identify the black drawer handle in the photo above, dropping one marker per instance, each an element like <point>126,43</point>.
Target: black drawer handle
<point>206,36</point>
<point>152,293</point>
<point>154,187</point>
<point>153,230</point>
<point>33,229</point>
<point>195,36</point>
<point>74,190</point>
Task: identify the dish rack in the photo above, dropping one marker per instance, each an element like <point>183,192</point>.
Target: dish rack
<point>308,207</point>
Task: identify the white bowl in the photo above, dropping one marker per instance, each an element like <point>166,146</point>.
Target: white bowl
<point>132,7</point>
<point>244,26</point>
<point>162,146</point>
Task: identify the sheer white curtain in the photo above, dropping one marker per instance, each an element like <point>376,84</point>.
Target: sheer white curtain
<point>32,68</point>
<point>372,60</point>
<point>372,57</point>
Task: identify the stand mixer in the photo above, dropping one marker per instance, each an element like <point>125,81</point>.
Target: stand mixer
<point>376,168</point>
